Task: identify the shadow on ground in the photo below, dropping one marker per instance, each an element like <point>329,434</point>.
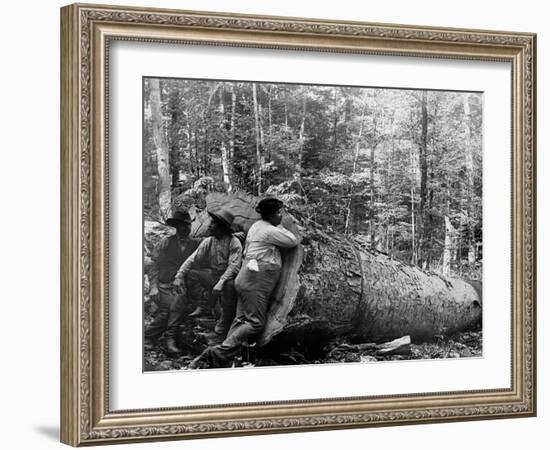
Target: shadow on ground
<point>50,432</point>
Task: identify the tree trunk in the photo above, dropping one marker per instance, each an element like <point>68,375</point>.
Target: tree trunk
<point>260,123</point>
<point>423,161</point>
<point>269,123</point>
<point>269,110</point>
<point>470,180</point>
<point>354,169</point>
<point>174,145</point>
<point>226,162</point>
<point>447,250</point>
<point>197,153</point>
<point>335,120</point>
<point>413,215</point>
<point>188,153</point>
<point>389,196</point>
<point>286,109</point>
<point>258,151</point>
<point>232,123</point>
<point>161,146</point>
<point>371,205</point>
<point>344,288</point>
<point>301,136</point>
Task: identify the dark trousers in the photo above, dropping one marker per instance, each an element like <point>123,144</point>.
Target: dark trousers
<point>168,316</point>
<point>174,308</point>
<point>254,290</point>
<point>199,285</point>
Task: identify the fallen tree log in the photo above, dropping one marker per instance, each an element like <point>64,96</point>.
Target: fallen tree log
<point>331,285</point>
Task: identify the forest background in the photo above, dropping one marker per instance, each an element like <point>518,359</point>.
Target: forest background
<point>399,169</point>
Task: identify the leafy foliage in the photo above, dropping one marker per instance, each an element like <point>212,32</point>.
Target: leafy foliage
<point>387,164</point>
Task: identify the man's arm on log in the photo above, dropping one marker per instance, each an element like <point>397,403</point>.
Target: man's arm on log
<point>279,236</point>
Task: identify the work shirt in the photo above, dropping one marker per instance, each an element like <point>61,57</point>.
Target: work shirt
<point>169,255</point>
<point>263,240</point>
<point>223,256</point>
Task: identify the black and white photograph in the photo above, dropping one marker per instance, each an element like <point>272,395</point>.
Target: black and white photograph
<point>290,224</point>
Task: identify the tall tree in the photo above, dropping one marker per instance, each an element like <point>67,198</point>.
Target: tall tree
<point>301,136</point>
<point>258,139</point>
<point>414,215</point>
<point>384,165</point>
<point>469,154</point>
<point>225,157</point>
<point>232,123</point>
<point>161,147</point>
<point>423,161</point>
<point>447,249</point>
<point>354,168</point>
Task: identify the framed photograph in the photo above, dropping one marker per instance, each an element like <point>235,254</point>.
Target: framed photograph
<point>275,224</point>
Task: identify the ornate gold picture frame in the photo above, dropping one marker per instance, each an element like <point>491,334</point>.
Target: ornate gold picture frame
<point>87,31</point>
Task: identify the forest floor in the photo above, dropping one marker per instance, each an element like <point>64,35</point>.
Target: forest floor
<point>340,350</point>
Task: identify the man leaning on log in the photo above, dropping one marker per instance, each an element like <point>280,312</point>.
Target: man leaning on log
<point>255,283</point>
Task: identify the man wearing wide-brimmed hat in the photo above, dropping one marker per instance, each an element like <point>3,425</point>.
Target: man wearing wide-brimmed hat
<point>254,284</point>
<point>167,258</point>
<point>208,274</point>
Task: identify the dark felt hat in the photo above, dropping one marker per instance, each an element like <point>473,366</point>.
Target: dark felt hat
<point>179,217</point>
<point>222,216</point>
<point>268,206</point>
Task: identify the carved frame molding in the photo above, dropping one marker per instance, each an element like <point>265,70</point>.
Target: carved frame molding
<point>86,31</point>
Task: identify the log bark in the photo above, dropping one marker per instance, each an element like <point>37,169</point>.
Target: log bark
<point>331,285</point>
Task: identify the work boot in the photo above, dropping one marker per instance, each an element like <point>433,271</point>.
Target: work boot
<point>198,363</point>
<point>171,347</point>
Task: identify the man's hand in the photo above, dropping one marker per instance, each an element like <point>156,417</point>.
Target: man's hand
<point>181,291</point>
<point>218,288</point>
<point>153,291</point>
<point>179,286</point>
